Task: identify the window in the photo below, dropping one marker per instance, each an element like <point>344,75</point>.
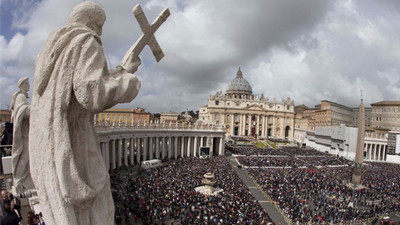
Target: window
<point>216,102</point>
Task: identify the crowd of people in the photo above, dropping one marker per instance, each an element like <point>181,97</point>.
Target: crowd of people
<point>319,195</point>
<point>168,193</point>
<point>289,156</point>
<point>253,150</point>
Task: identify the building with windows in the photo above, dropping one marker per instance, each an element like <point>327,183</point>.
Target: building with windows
<point>332,114</point>
<point>245,114</point>
<point>169,117</point>
<point>123,116</point>
<point>386,115</point>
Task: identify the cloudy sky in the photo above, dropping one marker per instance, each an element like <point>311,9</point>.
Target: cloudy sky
<point>307,50</point>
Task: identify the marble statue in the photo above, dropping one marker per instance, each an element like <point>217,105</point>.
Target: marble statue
<point>71,84</point>
<point>20,151</point>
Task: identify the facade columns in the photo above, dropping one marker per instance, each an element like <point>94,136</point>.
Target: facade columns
<point>232,123</point>
<point>221,146</point>
<point>263,126</point>
<point>273,132</point>
<point>240,125</point>
<point>210,141</point>
<point>258,126</point>
<point>243,125</point>
<point>249,119</point>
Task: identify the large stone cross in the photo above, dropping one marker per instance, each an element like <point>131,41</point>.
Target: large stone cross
<point>147,37</point>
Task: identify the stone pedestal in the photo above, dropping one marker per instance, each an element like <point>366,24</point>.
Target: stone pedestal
<point>357,172</point>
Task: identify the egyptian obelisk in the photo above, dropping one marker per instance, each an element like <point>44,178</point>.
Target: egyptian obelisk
<point>358,163</point>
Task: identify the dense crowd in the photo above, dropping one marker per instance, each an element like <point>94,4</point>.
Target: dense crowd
<point>168,193</point>
<point>253,150</point>
<point>294,157</point>
<point>324,195</point>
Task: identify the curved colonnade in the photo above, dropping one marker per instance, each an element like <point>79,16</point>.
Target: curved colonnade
<point>132,145</point>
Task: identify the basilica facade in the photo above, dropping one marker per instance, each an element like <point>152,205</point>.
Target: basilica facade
<point>245,114</point>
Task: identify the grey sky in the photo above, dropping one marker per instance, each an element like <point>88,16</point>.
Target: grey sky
<point>302,49</point>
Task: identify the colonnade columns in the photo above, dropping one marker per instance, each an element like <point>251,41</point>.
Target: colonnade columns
<point>119,151</point>
<point>113,159</point>
<point>369,151</point>
<point>107,155</point>
<point>151,150</point>
<point>195,147</point>
<point>176,147</point>
<point>132,151</point>
<point>188,146</point>
<point>169,147</point>
<point>384,153</point>
<point>138,149</point>
<point>379,152</point>
<point>201,144</point>
<point>163,147</point>
<point>124,152</point>
<point>145,149</point>
<point>158,148</point>
<point>182,147</point>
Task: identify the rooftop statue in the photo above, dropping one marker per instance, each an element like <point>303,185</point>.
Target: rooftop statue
<point>20,151</point>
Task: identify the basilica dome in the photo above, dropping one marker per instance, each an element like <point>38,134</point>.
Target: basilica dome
<point>239,85</point>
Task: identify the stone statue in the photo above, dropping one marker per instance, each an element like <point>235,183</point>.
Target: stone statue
<point>20,151</point>
<point>72,83</point>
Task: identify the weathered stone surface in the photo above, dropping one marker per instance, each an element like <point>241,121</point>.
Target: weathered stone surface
<point>72,83</point>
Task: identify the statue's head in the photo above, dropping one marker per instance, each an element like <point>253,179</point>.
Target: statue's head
<point>89,14</point>
<point>23,84</point>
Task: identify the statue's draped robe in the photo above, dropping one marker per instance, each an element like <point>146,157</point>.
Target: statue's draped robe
<point>72,82</point>
<point>20,151</point>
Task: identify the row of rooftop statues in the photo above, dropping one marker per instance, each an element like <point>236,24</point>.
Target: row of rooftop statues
<point>55,150</point>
